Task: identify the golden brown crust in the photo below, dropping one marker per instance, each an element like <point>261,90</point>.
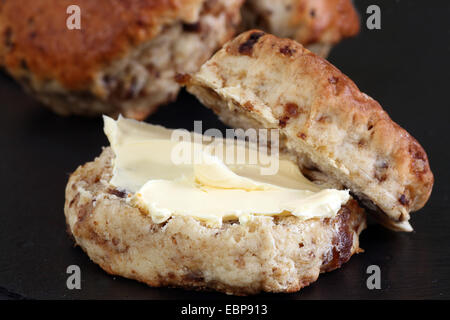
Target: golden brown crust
<point>124,58</point>
<point>33,34</point>
<point>324,116</point>
<point>306,21</point>
<point>280,254</point>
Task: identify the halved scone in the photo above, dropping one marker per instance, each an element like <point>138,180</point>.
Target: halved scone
<point>317,24</point>
<point>123,59</point>
<point>260,81</point>
<point>274,254</point>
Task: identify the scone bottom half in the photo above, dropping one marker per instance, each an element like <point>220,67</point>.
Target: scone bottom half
<point>258,80</point>
<point>268,254</point>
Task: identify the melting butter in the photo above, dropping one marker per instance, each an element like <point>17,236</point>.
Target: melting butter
<point>209,187</point>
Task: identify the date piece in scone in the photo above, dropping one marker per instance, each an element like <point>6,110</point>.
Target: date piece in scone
<point>317,24</point>
<point>273,254</point>
<point>124,58</point>
<point>259,80</point>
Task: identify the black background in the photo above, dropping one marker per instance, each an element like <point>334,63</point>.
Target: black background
<point>404,66</point>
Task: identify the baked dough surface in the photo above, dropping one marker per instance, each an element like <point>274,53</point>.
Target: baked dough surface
<point>259,80</point>
<point>317,24</point>
<point>268,254</point>
<point>123,60</point>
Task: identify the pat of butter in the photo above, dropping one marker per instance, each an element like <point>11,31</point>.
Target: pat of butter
<point>212,189</point>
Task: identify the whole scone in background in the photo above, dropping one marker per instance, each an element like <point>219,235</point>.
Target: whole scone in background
<point>123,60</point>
<point>258,80</point>
<point>126,56</point>
<point>316,24</point>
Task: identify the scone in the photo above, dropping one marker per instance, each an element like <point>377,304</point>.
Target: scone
<point>330,127</point>
<point>242,254</point>
<point>124,58</point>
<point>317,24</point>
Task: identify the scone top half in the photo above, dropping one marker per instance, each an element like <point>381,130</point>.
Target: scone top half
<point>326,123</point>
<point>124,57</point>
